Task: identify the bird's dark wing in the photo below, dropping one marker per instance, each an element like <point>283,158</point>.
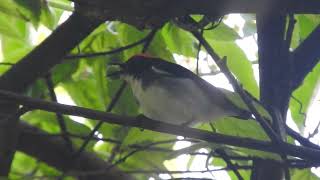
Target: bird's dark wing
<point>215,94</point>
<point>173,69</point>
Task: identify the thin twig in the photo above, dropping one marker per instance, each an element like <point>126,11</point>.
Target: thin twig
<point>123,159</point>
<point>300,108</point>
<point>61,121</point>
<point>99,124</point>
<point>114,51</point>
<point>198,54</point>
<point>302,140</point>
<point>7,64</point>
<point>230,165</point>
<point>315,131</point>
<point>148,40</point>
<point>289,32</point>
<point>100,171</point>
<point>109,140</point>
<point>222,65</point>
<point>207,162</point>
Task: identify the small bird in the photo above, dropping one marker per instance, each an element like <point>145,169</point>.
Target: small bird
<point>173,94</point>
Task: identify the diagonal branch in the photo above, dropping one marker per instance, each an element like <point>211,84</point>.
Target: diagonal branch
<point>221,63</point>
<point>33,66</point>
<point>61,121</point>
<point>305,57</point>
<point>230,165</point>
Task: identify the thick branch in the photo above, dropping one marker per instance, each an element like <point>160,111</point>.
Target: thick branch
<point>33,66</point>
<point>54,152</point>
<point>166,9</point>
<point>274,82</point>
<point>305,57</point>
<point>145,123</point>
<point>49,53</point>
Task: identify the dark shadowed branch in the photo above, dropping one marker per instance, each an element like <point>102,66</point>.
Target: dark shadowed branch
<point>146,123</point>
<point>54,152</point>
<point>61,121</point>
<point>305,57</point>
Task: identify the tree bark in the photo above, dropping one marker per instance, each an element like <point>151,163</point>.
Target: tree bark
<point>274,69</point>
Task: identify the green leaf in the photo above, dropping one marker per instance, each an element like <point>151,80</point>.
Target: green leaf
<point>13,49</point>
<point>37,89</point>
<point>83,93</point>
<point>23,163</point>
<point>307,23</point>
<point>304,94</point>
<point>127,35</point>
<point>179,41</point>
<point>64,71</point>
<point>99,73</point>
<point>31,9</point>
<point>239,128</point>
<point>47,16</point>
<point>295,39</point>
<point>61,4</point>
<point>238,63</point>
<point>76,127</point>
<point>44,120</point>
<point>158,48</point>
<point>126,105</point>
<point>12,27</point>
<point>140,160</point>
<point>44,169</point>
<point>11,8</point>
<point>221,33</point>
<point>136,135</point>
<point>304,174</point>
<point>245,174</point>
<point>47,121</point>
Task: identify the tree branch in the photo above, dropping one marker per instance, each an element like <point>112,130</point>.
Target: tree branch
<point>305,57</point>
<point>123,9</point>
<point>221,63</point>
<point>34,65</point>
<point>230,165</point>
<point>54,152</point>
<point>60,119</point>
<point>114,51</point>
<point>146,123</point>
<point>274,66</point>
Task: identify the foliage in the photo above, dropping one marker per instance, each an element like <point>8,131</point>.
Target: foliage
<point>83,80</point>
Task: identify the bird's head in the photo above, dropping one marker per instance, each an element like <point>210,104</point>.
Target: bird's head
<point>134,67</point>
<point>142,66</point>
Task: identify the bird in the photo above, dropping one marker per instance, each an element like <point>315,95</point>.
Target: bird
<point>170,93</point>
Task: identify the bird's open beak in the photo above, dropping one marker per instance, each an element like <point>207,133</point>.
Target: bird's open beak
<point>116,70</point>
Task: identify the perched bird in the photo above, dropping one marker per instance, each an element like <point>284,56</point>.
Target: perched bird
<point>171,93</point>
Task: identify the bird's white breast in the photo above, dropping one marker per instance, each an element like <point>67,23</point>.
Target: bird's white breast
<point>178,101</point>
